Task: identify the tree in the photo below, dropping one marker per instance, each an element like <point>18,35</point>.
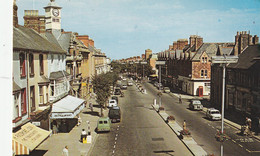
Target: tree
<point>101,85</point>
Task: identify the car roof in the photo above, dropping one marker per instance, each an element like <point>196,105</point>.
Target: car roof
<point>103,118</point>
<point>115,107</point>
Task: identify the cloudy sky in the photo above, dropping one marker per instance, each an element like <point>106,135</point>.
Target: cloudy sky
<point>125,28</point>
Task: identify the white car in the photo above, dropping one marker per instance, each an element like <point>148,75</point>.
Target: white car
<point>213,114</point>
<point>130,83</point>
<point>112,103</point>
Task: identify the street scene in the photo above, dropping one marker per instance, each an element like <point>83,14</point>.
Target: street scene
<point>105,78</point>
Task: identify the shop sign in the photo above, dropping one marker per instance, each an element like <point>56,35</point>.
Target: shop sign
<point>61,115</point>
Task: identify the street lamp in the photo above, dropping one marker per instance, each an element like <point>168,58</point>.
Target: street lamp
<point>223,60</point>
<point>160,63</point>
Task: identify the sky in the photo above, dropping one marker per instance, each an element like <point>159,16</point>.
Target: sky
<point>125,28</point>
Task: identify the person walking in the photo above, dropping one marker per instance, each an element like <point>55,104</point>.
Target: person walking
<point>180,100</point>
<point>91,106</point>
<point>184,125</point>
<point>83,135</point>
<point>65,151</point>
<point>79,121</point>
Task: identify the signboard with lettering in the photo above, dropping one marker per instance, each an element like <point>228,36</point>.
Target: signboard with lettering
<point>36,123</point>
<point>67,115</point>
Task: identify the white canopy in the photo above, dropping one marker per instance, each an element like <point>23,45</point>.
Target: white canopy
<point>68,107</point>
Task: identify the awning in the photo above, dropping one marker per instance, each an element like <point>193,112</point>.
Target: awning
<point>28,138</point>
<point>68,107</point>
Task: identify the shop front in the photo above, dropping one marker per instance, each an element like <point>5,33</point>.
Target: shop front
<point>64,114</point>
<point>28,138</point>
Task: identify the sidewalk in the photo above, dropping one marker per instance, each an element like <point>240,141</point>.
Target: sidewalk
<point>234,123</point>
<point>55,143</point>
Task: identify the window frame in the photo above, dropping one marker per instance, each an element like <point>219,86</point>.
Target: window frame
<point>41,64</point>
<point>31,64</point>
<point>22,65</point>
<point>23,101</point>
<point>32,98</point>
<point>202,73</point>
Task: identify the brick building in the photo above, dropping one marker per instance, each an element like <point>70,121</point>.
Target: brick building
<point>242,78</point>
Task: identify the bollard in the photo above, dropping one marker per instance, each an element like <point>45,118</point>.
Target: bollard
<point>89,138</point>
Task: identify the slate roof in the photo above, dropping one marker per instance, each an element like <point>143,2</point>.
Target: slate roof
<point>58,74</point>
<point>248,58</point>
<point>209,48</point>
<point>64,41</point>
<point>25,38</point>
<point>43,79</point>
<point>16,87</point>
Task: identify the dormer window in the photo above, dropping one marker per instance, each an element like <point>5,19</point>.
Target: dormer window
<point>204,59</point>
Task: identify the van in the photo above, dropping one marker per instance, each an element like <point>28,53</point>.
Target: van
<point>114,114</point>
<point>103,124</point>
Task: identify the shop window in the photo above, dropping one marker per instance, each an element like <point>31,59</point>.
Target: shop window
<point>41,64</point>
<point>32,98</point>
<point>23,101</point>
<point>31,65</point>
<point>22,64</point>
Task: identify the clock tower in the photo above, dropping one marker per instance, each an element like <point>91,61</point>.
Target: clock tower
<point>53,18</point>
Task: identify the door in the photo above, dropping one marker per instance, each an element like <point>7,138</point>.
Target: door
<point>200,91</point>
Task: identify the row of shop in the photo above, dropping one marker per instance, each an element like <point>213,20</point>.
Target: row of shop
<point>62,115</point>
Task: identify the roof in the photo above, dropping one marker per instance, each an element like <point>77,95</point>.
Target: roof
<point>29,39</point>
<point>64,41</point>
<point>16,87</point>
<point>58,74</point>
<point>67,104</point>
<point>248,58</point>
<point>52,4</point>
<point>209,48</point>
<point>43,79</point>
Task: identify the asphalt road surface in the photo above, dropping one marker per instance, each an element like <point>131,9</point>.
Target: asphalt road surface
<point>203,130</point>
<point>141,132</point>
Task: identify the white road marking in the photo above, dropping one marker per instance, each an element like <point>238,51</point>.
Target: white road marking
<point>115,142</point>
<point>114,146</point>
<point>115,138</point>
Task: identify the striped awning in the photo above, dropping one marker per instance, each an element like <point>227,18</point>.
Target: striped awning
<point>28,138</point>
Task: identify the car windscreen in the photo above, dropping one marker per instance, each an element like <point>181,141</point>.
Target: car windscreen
<point>215,112</point>
<point>114,112</point>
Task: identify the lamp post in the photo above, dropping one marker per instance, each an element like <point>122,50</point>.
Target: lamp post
<point>223,60</point>
<point>160,63</point>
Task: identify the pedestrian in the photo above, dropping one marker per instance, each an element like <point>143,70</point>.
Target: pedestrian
<point>91,106</point>
<point>79,121</point>
<point>184,125</point>
<point>249,123</point>
<point>180,100</point>
<point>65,151</point>
<point>83,135</point>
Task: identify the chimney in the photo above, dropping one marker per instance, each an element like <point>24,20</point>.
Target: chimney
<point>255,40</point>
<point>181,43</point>
<point>198,42</point>
<point>84,39</point>
<point>15,17</point>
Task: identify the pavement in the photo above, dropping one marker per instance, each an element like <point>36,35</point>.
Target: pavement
<point>234,124</point>
<point>54,144</point>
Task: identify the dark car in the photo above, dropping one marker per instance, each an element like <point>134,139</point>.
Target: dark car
<point>115,98</point>
<point>117,91</point>
<point>114,114</point>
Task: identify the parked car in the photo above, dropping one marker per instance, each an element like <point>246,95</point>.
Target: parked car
<point>213,114</point>
<point>166,90</point>
<point>103,124</point>
<point>195,105</point>
<point>114,114</point>
<point>160,86</point>
<point>112,103</point>
<point>124,86</point>
<point>115,98</point>
<point>130,83</point>
<point>117,91</point>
